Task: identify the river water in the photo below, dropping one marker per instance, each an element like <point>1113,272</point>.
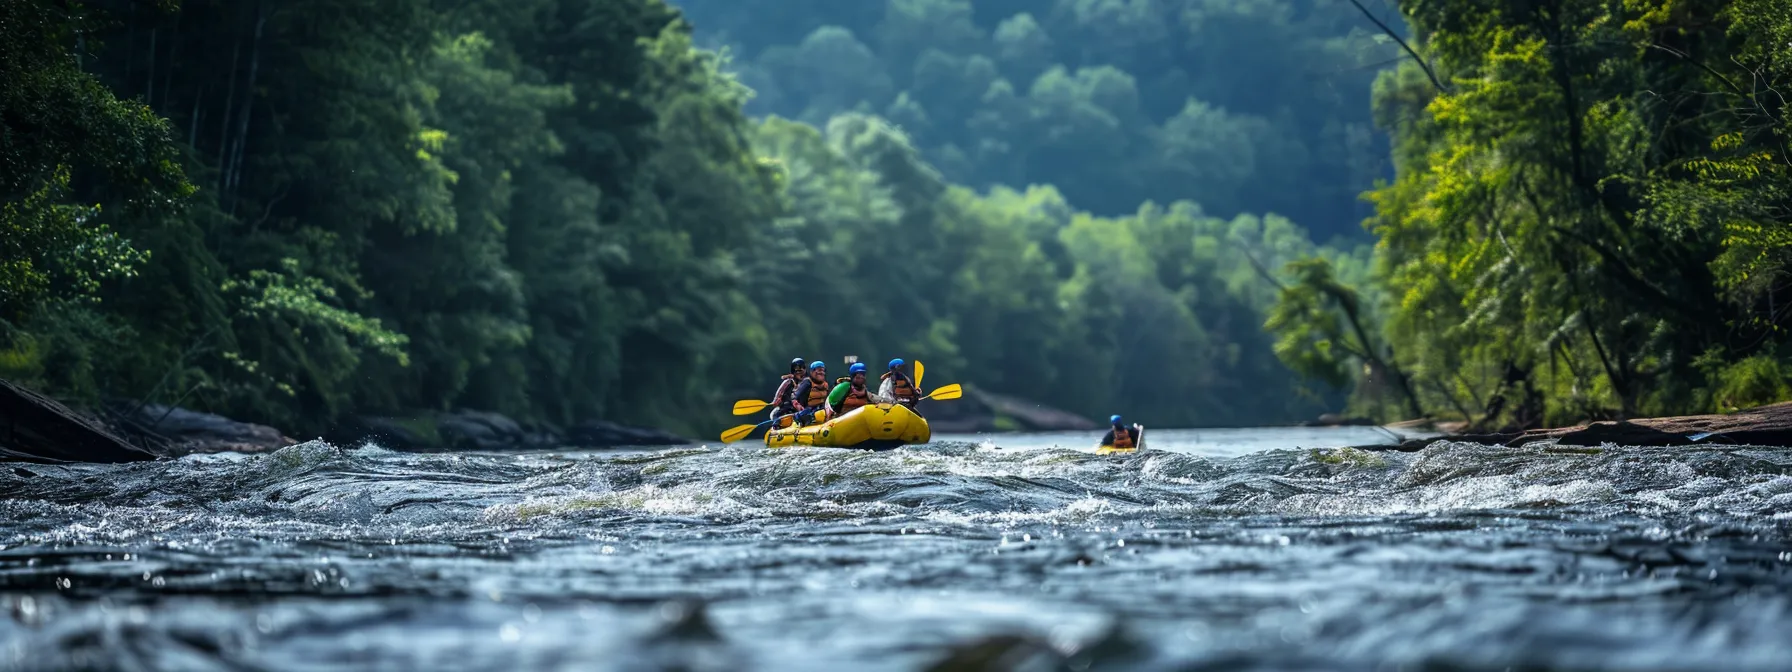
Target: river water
<point>1212,550</point>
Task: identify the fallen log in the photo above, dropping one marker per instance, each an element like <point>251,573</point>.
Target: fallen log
<point>1769,425</point>
<point>35,428</point>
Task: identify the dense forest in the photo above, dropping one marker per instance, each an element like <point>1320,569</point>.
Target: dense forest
<point>1590,215</point>
<point>293,211</point>
<point>1260,106</point>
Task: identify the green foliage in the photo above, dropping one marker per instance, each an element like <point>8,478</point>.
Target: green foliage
<point>1757,380</point>
<point>1600,194</point>
<point>559,209</point>
<point>66,143</point>
<point>48,239</point>
<point>1018,292</point>
<point>531,207</point>
<point>1311,336</point>
<point>306,301</point>
<point>64,346</point>
<point>1239,106</point>
<point>22,361</point>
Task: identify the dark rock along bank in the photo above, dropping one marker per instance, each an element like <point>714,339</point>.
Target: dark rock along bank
<point>35,428</point>
<point>189,431</point>
<point>1769,425</point>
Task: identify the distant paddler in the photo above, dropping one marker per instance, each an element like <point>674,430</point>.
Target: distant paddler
<point>1120,438</point>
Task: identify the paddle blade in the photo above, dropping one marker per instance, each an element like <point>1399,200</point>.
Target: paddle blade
<point>952,391</point>
<point>749,406</point>
<point>919,370</point>
<point>738,433</point>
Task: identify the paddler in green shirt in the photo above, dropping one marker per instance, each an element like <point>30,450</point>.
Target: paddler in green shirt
<point>850,393</point>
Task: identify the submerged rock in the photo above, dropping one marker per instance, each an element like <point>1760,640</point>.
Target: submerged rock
<point>35,428</point>
<point>483,430</point>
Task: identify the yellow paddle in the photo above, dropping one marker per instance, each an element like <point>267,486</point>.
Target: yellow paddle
<point>750,406</point>
<point>919,369</point>
<point>945,392</point>
<point>741,432</point>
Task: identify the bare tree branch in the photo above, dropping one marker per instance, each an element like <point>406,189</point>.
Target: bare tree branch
<point>1403,45</point>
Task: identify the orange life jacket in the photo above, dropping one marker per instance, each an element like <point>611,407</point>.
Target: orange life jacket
<point>1122,438</point>
<point>900,386</point>
<point>855,397</point>
<point>818,394</point>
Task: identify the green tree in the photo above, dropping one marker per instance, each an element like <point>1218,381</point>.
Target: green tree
<point>78,162</point>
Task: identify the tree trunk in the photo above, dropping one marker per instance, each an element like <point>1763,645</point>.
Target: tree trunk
<point>224,126</point>
<point>1454,402</point>
<point>173,55</point>
<point>1619,381</point>
<point>130,42</point>
<point>242,134</point>
<point>1362,336</point>
<point>193,123</point>
<point>149,81</point>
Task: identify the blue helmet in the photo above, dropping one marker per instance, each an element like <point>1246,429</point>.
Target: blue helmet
<point>817,365</point>
<point>1115,419</point>
<point>857,367</point>
<point>895,364</point>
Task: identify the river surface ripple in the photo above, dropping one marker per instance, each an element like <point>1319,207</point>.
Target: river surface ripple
<point>1215,550</point>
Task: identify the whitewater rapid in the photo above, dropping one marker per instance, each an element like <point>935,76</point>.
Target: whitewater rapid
<point>1460,556</point>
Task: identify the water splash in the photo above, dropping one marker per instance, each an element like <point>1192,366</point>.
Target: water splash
<point>1461,555</point>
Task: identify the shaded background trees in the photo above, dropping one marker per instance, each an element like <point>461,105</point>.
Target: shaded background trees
<point>296,211</point>
<point>1591,220</point>
<point>1256,106</point>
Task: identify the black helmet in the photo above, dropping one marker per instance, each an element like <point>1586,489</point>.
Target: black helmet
<point>797,364</point>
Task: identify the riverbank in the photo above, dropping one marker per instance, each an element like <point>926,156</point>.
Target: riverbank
<point>40,429</point>
<point>980,411</point>
<point>36,428</point>
<point>1769,425</point>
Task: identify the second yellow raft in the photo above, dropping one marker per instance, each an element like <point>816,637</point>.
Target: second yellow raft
<point>1109,449</point>
<point>879,427</point>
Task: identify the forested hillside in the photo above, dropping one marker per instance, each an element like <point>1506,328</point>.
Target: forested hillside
<point>1259,106</point>
<point>292,211</point>
<point>297,211</point>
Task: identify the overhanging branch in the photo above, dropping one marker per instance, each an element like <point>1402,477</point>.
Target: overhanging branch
<point>1403,45</point>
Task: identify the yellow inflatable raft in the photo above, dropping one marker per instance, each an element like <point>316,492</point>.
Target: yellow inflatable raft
<point>1109,449</point>
<point>879,427</point>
